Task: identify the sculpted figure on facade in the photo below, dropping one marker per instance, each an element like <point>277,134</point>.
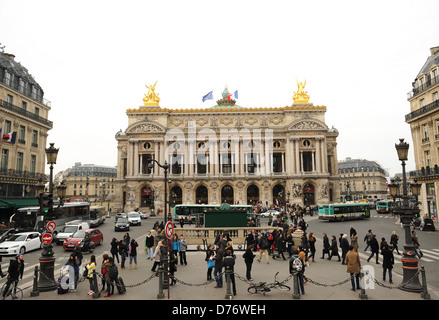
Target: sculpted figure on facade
<point>297,190</point>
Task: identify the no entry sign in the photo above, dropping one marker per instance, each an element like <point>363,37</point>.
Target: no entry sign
<point>51,226</point>
<point>47,238</point>
<point>169,230</point>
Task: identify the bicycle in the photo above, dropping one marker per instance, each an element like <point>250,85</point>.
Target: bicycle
<point>9,296</point>
<point>264,287</point>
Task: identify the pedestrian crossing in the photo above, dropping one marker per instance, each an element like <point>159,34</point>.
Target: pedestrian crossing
<point>429,255</point>
<point>29,271</point>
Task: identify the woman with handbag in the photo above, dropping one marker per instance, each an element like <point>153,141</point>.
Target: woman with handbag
<point>210,253</point>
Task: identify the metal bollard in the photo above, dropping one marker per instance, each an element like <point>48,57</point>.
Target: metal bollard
<point>228,285</point>
<point>96,293</point>
<point>424,293</point>
<point>35,292</point>
<point>160,295</point>
<point>362,294</point>
<point>296,294</point>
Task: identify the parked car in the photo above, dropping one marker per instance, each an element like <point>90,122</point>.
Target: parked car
<point>20,243</point>
<point>268,212</point>
<point>122,224</point>
<point>69,229</point>
<point>75,239</point>
<point>134,218</point>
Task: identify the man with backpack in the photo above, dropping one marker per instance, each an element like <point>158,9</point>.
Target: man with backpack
<point>263,246</point>
<point>297,265</point>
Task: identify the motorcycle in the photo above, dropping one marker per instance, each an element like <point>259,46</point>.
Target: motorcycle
<point>87,246</point>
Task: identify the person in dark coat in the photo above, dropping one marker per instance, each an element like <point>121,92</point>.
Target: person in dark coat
<point>344,245</point>
<point>219,256</point>
<point>334,249</point>
<point>229,265</point>
<point>326,246</point>
<point>388,261</point>
<point>15,272</point>
<point>249,256</point>
<point>374,246</point>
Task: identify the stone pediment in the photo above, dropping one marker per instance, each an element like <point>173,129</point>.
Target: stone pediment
<point>308,124</point>
<point>145,127</point>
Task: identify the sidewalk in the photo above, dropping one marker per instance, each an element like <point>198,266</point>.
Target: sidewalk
<point>325,276</point>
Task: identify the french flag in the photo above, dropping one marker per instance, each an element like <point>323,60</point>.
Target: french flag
<point>10,137</point>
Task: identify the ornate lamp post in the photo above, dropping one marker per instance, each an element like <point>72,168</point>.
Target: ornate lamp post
<point>47,260</point>
<point>409,259</point>
<point>164,166</point>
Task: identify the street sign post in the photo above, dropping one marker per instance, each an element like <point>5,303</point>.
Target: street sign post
<point>47,238</point>
<point>169,230</point>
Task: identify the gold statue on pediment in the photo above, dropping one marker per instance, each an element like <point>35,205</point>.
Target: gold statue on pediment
<point>301,96</point>
<point>151,98</point>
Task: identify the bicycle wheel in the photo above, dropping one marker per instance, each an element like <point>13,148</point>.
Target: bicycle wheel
<point>9,296</point>
<point>282,287</point>
<point>253,289</point>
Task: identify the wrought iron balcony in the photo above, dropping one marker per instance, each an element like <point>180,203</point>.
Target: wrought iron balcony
<point>422,111</point>
<point>9,106</point>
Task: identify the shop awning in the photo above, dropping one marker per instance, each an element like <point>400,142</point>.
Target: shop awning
<point>18,203</point>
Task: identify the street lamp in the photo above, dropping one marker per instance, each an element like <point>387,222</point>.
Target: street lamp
<point>409,259</point>
<point>47,260</point>
<point>164,166</point>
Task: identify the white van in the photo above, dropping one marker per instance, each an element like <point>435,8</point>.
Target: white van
<point>69,229</point>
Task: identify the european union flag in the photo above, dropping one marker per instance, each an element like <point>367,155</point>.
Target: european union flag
<point>208,96</point>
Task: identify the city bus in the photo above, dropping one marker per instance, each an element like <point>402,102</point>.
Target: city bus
<point>344,211</point>
<point>195,211</point>
<point>97,215</point>
<point>29,219</point>
<point>385,206</point>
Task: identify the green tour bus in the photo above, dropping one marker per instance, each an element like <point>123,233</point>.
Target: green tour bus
<point>344,211</point>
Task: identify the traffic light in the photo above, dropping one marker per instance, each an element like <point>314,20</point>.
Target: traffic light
<point>45,201</point>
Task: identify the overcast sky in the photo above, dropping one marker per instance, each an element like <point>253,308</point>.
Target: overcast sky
<point>93,59</point>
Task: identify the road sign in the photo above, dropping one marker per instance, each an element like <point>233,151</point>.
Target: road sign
<point>51,226</point>
<point>47,238</point>
<point>169,230</point>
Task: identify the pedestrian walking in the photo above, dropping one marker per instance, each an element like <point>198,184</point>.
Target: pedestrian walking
<point>388,261</point>
<point>353,267</point>
<point>326,246</point>
<point>279,245</point>
<point>210,262</point>
<point>367,238</point>
<point>173,262</point>
<point>263,247</point>
<point>312,246</point>
<point>133,253</point>
<point>416,245</point>
<point>354,241</point>
<point>290,242</point>
<point>149,245</point>
<point>183,249</point>
<point>374,246</point>
<point>90,267</point>
<point>344,246</point>
<point>115,249</point>
<point>248,259</point>
<point>218,258</point>
<point>394,241</point>
<point>157,258</point>
<point>334,249</point>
